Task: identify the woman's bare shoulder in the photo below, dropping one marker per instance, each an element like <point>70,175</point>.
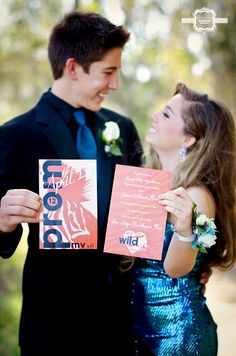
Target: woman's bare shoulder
<point>204,200</point>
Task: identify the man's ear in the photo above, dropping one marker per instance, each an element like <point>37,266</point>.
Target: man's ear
<point>71,68</point>
<point>188,141</point>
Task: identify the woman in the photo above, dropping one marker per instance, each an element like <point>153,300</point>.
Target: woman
<point>194,137</point>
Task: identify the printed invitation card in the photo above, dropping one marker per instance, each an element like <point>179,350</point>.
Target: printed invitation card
<point>136,221</point>
<point>69,215</point>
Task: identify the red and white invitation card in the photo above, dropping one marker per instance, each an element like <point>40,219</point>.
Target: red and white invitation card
<point>136,221</point>
<point>68,189</point>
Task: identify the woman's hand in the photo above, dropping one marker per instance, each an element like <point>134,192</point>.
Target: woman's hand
<point>180,205</point>
<point>204,278</point>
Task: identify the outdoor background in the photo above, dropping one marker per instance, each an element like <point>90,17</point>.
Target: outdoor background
<point>161,52</point>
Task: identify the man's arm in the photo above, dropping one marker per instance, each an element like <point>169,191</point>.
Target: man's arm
<point>17,206</point>
<point>10,241</point>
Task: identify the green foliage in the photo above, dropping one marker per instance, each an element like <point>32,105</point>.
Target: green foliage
<point>24,69</point>
<point>10,301</point>
<point>9,321</point>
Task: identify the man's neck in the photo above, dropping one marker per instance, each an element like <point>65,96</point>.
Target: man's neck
<point>62,90</point>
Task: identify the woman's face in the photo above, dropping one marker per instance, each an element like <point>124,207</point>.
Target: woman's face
<point>166,132</point>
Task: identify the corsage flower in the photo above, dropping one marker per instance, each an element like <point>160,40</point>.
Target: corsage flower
<point>110,135</point>
<point>204,229</point>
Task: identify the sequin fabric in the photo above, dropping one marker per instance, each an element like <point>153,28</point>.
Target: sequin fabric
<point>170,314</point>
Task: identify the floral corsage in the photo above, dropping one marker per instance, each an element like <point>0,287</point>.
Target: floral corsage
<point>110,135</point>
<point>204,230</point>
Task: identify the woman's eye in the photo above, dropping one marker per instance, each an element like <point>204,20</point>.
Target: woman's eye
<point>165,114</point>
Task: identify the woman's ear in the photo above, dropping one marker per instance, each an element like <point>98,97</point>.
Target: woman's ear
<point>188,141</point>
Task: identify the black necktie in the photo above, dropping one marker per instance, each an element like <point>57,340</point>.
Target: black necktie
<point>85,142</point>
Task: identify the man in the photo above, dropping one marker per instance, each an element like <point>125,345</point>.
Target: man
<point>75,302</point>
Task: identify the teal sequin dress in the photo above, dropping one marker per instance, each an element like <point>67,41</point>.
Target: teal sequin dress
<point>170,314</point>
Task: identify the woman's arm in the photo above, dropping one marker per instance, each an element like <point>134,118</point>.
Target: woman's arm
<point>181,257</point>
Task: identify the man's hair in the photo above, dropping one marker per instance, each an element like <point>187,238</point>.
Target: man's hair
<point>86,37</point>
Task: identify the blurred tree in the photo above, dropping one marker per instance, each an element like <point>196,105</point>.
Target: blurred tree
<point>218,47</point>
<point>24,69</point>
<point>221,48</point>
<point>163,51</point>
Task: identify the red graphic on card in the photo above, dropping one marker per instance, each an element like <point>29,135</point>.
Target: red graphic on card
<point>69,193</point>
<point>136,221</point>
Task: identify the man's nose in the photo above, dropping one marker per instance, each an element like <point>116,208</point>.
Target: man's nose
<point>114,82</point>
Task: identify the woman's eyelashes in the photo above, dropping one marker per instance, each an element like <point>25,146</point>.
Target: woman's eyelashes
<point>166,114</point>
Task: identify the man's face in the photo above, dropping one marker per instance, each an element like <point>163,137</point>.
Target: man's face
<point>90,88</point>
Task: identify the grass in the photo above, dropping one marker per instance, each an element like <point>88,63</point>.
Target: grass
<point>11,298</point>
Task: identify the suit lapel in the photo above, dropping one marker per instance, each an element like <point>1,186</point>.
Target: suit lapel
<point>60,138</point>
<point>105,168</point>
<point>99,120</point>
<point>55,130</point>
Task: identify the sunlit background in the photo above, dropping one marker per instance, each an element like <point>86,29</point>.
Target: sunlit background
<point>162,51</point>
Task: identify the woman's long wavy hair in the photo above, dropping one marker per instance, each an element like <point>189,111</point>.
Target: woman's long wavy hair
<point>210,161</point>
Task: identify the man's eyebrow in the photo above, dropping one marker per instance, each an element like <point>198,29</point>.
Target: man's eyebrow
<point>110,68</point>
<point>168,107</point>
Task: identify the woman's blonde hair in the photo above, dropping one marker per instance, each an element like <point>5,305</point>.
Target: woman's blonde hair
<point>210,161</point>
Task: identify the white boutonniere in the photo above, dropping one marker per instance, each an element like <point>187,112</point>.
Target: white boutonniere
<point>204,229</point>
<point>110,135</point>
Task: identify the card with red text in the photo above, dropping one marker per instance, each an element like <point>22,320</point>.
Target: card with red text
<point>136,221</point>
<point>68,189</point>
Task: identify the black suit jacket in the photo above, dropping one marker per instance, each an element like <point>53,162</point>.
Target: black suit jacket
<point>67,294</point>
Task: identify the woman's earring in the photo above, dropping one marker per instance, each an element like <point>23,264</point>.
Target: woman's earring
<point>182,153</point>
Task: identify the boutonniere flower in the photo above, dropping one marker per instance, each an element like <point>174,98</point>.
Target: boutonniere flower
<point>110,135</point>
<point>204,229</point>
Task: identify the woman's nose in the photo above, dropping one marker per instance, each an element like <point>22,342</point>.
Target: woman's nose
<point>155,117</point>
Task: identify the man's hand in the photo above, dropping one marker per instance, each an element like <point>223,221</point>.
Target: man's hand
<point>19,206</point>
<point>204,278</point>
